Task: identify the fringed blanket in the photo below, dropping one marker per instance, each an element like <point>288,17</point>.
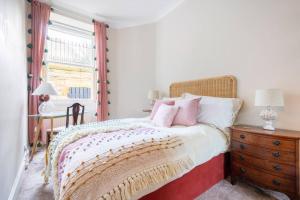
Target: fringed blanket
<point>114,160</point>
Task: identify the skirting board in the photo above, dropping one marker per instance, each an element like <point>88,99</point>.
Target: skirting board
<point>16,186</point>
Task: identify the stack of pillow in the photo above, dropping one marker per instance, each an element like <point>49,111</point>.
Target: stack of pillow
<point>191,109</point>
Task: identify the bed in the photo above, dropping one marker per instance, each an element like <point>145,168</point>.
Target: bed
<point>204,176</point>
<point>132,159</point>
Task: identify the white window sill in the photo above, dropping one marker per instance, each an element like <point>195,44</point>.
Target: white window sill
<point>59,102</point>
<point>62,104</point>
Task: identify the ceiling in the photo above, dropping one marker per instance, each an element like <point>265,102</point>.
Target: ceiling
<point>118,13</point>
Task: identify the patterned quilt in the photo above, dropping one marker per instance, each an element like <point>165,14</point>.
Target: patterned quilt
<point>114,160</point>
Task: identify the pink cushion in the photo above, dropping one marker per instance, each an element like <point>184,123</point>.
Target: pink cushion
<point>165,115</point>
<point>157,104</point>
<point>187,112</point>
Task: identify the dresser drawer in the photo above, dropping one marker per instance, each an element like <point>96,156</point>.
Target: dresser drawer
<point>259,152</point>
<point>278,169</point>
<point>267,141</point>
<point>264,179</point>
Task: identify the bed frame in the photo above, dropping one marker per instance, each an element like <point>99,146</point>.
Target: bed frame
<point>224,86</point>
<point>204,176</point>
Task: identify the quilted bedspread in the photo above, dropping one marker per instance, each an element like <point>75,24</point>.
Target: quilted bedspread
<point>114,160</point>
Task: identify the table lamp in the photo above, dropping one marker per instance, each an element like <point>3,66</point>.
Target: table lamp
<point>43,91</point>
<point>269,98</point>
<point>153,95</point>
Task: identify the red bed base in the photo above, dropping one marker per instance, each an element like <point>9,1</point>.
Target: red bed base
<point>194,183</point>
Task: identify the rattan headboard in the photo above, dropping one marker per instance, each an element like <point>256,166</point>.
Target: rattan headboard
<point>224,86</point>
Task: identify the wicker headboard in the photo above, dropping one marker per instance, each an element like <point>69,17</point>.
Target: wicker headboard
<point>224,86</point>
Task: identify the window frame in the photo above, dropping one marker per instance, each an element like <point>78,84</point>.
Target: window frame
<point>65,28</point>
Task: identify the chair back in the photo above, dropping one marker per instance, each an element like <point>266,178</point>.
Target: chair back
<point>75,113</point>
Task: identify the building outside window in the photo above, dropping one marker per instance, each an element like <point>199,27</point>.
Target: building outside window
<point>70,64</point>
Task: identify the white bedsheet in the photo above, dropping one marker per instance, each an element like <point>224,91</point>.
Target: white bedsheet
<point>203,142</point>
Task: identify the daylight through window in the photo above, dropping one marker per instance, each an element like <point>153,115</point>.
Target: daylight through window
<point>70,61</point>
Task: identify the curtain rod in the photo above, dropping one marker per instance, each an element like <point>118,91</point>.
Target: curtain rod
<point>86,19</point>
<point>72,14</point>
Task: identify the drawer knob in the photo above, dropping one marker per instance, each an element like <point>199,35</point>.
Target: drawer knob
<point>276,154</point>
<point>276,142</point>
<point>276,182</point>
<point>242,136</point>
<point>241,157</point>
<point>277,167</point>
<point>243,170</point>
<point>242,146</point>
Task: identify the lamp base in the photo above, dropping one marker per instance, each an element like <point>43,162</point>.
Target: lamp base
<point>268,116</point>
<point>46,107</point>
<point>269,126</point>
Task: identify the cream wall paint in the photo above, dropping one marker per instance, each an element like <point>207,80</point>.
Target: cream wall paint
<point>132,68</point>
<point>258,41</point>
<point>13,83</point>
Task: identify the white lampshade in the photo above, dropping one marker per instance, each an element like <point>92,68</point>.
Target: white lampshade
<point>153,94</point>
<point>45,88</point>
<point>269,97</point>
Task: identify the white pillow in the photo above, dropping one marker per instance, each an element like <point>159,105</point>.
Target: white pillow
<point>221,112</point>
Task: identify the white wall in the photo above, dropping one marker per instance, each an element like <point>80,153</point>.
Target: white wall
<point>258,41</point>
<point>132,69</point>
<point>13,84</point>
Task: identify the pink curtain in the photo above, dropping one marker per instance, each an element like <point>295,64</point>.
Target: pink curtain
<point>101,58</point>
<point>40,16</point>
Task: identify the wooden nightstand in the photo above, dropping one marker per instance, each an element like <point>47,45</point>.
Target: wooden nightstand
<point>269,159</point>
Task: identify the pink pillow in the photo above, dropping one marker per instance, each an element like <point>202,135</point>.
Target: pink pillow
<point>157,105</point>
<point>187,112</point>
<point>165,115</point>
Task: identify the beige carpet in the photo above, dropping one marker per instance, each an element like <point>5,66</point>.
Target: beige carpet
<point>32,187</point>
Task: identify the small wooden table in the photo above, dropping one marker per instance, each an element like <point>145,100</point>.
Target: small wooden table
<point>147,110</point>
<point>40,118</point>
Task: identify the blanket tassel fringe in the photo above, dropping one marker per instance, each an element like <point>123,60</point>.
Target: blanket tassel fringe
<point>147,179</point>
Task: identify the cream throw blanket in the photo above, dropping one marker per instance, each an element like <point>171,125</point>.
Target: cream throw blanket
<point>111,161</point>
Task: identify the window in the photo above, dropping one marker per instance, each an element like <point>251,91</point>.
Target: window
<point>70,61</point>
